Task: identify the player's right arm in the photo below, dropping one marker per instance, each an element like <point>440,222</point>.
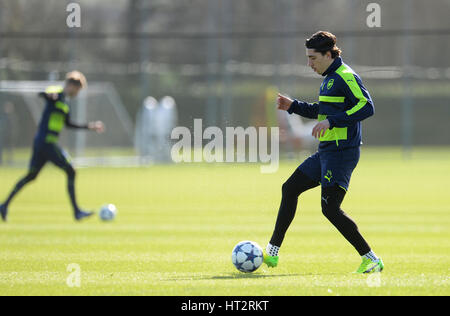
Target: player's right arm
<point>96,126</point>
<point>308,110</point>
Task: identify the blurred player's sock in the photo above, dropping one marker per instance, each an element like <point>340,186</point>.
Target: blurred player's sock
<point>371,255</point>
<point>4,212</point>
<point>79,214</point>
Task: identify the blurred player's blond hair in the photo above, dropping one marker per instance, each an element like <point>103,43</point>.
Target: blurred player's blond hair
<point>77,78</point>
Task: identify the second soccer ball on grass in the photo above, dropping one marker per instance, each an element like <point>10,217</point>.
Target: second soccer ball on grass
<point>108,212</point>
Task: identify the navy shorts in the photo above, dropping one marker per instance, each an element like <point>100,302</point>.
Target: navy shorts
<point>43,153</point>
<point>332,167</point>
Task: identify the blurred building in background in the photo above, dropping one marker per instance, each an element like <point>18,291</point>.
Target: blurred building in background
<point>223,61</point>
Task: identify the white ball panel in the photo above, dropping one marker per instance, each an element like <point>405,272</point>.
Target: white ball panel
<point>248,266</point>
<point>258,261</point>
<point>233,258</point>
<point>241,257</point>
<point>247,248</point>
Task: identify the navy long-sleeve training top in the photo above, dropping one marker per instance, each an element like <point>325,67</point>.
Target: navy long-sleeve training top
<point>344,101</point>
<point>56,115</point>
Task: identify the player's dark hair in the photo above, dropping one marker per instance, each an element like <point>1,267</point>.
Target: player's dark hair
<point>323,42</point>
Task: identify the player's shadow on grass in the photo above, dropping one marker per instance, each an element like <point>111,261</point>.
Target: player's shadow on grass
<point>233,276</point>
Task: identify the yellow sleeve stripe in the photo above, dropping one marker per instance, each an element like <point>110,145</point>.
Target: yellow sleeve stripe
<point>349,78</point>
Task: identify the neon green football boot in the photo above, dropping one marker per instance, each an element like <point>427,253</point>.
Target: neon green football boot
<point>271,261</point>
<point>370,266</point>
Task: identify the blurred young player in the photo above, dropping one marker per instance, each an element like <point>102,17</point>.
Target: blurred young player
<point>343,103</point>
<point>45,149</point>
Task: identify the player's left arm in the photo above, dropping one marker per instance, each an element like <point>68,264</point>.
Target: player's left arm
<point>359,97</point>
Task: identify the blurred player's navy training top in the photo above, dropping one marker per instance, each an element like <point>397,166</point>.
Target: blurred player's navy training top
<point>344,101</point>
<point>56,115</point>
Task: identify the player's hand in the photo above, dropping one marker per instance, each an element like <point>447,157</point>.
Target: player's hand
<point>97,126</point>
<point>320,128</point>
<point>283,102</point>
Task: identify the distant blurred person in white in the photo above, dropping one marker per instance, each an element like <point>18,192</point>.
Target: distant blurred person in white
<point>167,121</point>
<point>146,140</point>
<point>6,112</point>
<point>295,133</point>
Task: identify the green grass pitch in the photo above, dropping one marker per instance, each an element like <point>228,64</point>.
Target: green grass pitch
<point>177,225</point>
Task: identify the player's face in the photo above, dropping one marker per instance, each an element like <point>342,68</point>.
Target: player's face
<point>72,90</point>
<point>318,62</point>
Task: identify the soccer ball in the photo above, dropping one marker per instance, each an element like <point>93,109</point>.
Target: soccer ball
<point>247,256</point>
<point>108,212</point>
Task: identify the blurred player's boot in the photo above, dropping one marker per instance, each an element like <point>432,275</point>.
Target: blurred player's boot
<point>370,266</point>
<point>271,261</point>
<point>79,215</point>
<point>4,212</point>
